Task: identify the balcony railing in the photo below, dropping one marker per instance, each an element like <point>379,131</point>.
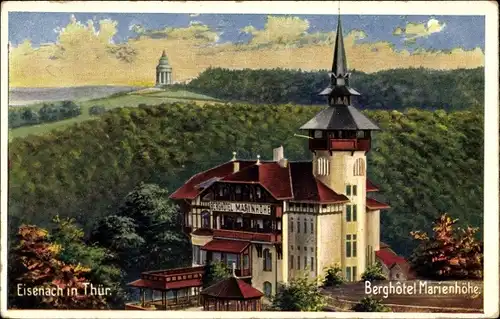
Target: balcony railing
<point>246,235</point>
<point>351,144</point>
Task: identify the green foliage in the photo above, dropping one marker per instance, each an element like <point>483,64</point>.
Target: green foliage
<point>97,110</point>
<point>373,272</point>
<point>390,89</point>
<point>451,252</point>
<point>300,294</point>
<point>215,272</point>
<point>424,162</point>
<point>35,262</point>
<point>369,304</point>
<point>47,113</point>
<point>74,250</point>
<point>333,277</point>
<point>146,233</point>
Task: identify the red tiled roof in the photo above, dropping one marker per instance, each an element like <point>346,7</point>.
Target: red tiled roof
<point>372,204</point>
<point>270,175</point>
<point>389,258</point>
<point>232,288</point>
<point>190,189</point>
<point>228,246</point>
<point>370,187</point>
<point>307,188</point>
<point>163,285</point>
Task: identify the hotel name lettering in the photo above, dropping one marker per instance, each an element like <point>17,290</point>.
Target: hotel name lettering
<point>244,208</point>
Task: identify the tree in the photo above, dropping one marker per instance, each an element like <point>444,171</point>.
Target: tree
<point>451,253</point>
<point>369,304</point>
<point>100,261</point>
<point>70,109</point>
<point>36,265</point>
<point>300,294</point>
<point>333,276</point>
<point>215,272</point>
<point>373,272</point>
<point>146,232</point>
<point>97,110</point>
<point>30,116</point>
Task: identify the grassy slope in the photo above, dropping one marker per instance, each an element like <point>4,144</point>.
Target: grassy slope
<point>118,100</point>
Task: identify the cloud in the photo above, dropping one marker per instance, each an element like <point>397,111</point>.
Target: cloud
<point>413,31</point>
<point>195,31</point>
<point>194,14</point>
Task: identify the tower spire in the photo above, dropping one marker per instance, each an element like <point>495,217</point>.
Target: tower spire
<point>339,66</point>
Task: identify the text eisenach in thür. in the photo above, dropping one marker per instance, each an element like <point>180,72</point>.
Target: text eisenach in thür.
<point>89,289</point>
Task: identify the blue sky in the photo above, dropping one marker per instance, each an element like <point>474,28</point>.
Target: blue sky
<point>465,32</point>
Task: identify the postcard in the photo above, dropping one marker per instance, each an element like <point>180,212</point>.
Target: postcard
<point>250,159</point>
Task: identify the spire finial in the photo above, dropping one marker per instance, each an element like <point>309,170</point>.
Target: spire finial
<point>234,156</point>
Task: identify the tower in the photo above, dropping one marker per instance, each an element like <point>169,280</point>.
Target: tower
<point>339,138</point>
<point>163,71</point>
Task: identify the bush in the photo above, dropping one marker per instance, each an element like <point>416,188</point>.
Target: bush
<point>373,272</point>
<point>300,294</point>
<point>368,304</point>
<point>97,110</point>
<point>333,277</point>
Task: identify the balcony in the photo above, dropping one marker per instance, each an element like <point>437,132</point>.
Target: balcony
<point>337,144</point>
<point>247,235</point>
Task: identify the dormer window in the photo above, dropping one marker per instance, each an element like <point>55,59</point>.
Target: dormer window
<point>258,192</point>
<point>238,189</point>
<point>318,134</point>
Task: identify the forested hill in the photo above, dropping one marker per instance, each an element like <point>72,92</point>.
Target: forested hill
<point>425,162</point>
<point>391,89</point>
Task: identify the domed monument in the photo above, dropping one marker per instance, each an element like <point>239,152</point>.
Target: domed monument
<point>163,71</point>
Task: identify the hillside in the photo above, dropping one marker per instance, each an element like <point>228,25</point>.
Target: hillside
<point>122,99</point>
<point>394,89</point>
<point>424,162</point>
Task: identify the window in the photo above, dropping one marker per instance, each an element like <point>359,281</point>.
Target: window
<point>312,226</point>
<point>268,262</point>
<point>305,249</point>
<point>291,247</point>
<point>350,246</point>
<point>305,226</point>
<point>291,261</point>
<point>312,249</point>
<point>298,248</point>
<point>354,212</point>
<point>246,262</point>
<point>305,262</point>
<point>323,166</point>
<point>268,288</point>
<point>312,263</point>
<point>238,189</point>
<point>348,273</point>
<point>196,255</point>
<point>291,224</point>
<point>205,219</point>
<point>298,226</point>
<point>348,190</point>
<point>298,262</point>
<point>348,216</point>
<point>258,193</point>
<point>203,257</point>
<point>360,134</point>
<point>354,190</point>
<point>318,134</point>
<point>359,167</point>
<point>258,247</point>
<point>354,273</point>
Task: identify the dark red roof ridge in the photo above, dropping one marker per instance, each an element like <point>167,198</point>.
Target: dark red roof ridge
<point>232,288</point>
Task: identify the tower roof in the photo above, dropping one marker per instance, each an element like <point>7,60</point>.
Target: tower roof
<point>341,117</point>
<point>232,288</point>
<point>339,66</point>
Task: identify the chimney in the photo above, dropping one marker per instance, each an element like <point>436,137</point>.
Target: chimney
<point>236,164</point>
<point>258,160</point>
<point>283,162</point>
<point>278,154</point>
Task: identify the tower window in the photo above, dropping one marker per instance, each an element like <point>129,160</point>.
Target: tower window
<point>351,246</point>
<point>312,263</point>
<point>291,224</point>
<point>267,260</point>
<point>318,134</point>
<point>323,166</point>
<point>359,167</point>
<point>348,213</point>
<point>348,190</point>
<point>291,261</point>
<point>354,212</point>
<point>354,190</point>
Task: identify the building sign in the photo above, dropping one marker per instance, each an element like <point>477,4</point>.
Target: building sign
<point>244,208</point>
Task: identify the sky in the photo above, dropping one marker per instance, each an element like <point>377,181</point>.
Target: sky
<point>408,32</point>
